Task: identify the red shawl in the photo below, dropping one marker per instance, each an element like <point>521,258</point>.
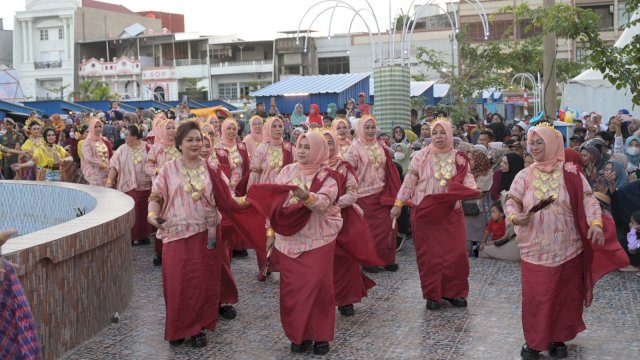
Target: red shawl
<point>223,161</point>
<point>241,187</point>
<point>435,208</point>
<point>355,237</point>
<point>270,200</point>
<point>391,181</point>
<point>287,154</point>
<point>598,259</point>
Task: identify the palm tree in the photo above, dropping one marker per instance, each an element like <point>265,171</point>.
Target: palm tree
<point>85,90</point>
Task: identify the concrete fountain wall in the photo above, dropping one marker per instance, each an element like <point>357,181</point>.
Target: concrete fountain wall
<point>76,271</point>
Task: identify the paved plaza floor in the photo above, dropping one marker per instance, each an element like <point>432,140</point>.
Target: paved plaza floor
<point>392,323</point>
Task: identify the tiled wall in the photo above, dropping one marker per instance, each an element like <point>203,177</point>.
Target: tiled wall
<point>31,207</point>
<point>76,274</point>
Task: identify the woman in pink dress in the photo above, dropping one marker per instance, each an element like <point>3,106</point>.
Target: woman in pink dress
<point>95,155</point>
<point>254,139</point>
<point>379,182</point>
<point>354,243</point>
<point>437,179</point>
<point>271,156</point>
<point>562,246</point>
<point>341,128</point>
<point>127,173</point>
<point>183,206</point>
<point>307,304</point>
<point>163,150</point>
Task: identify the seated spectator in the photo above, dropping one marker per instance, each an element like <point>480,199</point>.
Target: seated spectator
<point>498,241</point>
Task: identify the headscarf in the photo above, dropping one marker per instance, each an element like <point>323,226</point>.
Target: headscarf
<point>318,154</point>
<point>596,157</point>
<point>254,135</point>
<point>332,110</point>
<point>554,149</point>
<point>92,132</point>
<point>481,164</point>
<point>161,133</point>
<point>57,123</point>
<point>300,130</point>
<point>622,158</point>
<point>393,136</point>
<point>446,125</point>
<point>361,123</point>
<point>297,117</point>
<point>467,147</point>
<point>334,126</point>
<point>516,164</point>
<point>482,148</point>
<point>496,157</point>
<point>223,137</point>
<point>572,156</point>
<point>266,131</point>
<point>633,160</point>
<point>333,158</point>
<point>317,118</point>
<point>621,174</point>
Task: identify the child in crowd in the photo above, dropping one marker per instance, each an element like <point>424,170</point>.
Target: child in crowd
<point>497,226</point>
<point>632,236</point>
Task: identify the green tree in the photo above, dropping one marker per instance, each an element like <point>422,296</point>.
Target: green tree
<point>102,92</point>
<point>85,90</point>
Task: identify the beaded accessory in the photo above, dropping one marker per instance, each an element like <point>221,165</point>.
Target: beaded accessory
<point>194,181</point>
<point>546,184</point>
<point>443,167</point>
<point>275,157</point>
<point>136,154</point>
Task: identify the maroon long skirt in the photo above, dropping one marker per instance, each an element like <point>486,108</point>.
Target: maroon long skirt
<point>379,221</point>
<point>141,229</point>
<point>552,302</point>
<point>442,257</point>
<point>191,285</point>
<point>307,300</point>
<point>228,288</point>
<point>350,284</point>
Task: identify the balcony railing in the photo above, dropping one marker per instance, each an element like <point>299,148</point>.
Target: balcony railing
<point>242,63</point>
<point>187,62</point>
<point>47,64</point>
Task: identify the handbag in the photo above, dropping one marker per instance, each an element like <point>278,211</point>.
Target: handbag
<point>470,208</point>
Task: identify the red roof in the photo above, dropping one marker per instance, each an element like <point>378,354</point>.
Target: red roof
<point>106,6</point>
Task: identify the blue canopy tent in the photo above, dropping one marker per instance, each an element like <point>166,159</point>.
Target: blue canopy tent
<point>11,109</point>
<point>51,107</point>
<point>105,105</point>
<point>316,89</point>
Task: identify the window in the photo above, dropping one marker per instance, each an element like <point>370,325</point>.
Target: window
<point>60,33</point>
<point>333,65</point>
<point>228,91</point>
<point>44,35</point>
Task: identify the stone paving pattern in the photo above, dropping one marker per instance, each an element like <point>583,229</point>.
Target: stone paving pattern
<point>392,323</point>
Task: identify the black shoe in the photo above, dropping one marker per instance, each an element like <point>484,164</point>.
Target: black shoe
<point>433,305</point>
<point>144,241</point>
<point>157,260</point>
<point>371,269</point>
<point>176,342</point>
<point>392,267</point>
<point>240,254</point>
<point>300,348</point>
<point>199,340</point>
<point>529,354</point>
<point>457,302</point>
<point>227,312</point>
<point>347,310</point>
<point>320,348</point>
<point>400,241</point>
<point>558,350</point>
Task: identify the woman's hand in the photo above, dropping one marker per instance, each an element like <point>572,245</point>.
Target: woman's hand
<point>522,219</point>
<point>6,234</point>
<point>611,178</point>
<point>595,234</point>
<point>301,194</point>
<point>16,167</point>
<point>104,166</point>
<point>153,220</point>
<point>395,212</point>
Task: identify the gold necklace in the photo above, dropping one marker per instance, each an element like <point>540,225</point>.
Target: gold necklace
<point>301,183</point>
<point>172,152</point>
<point>275,157</point>
<point>344,149</point>
<point>234,156</point>
<point>193,181</point>
<point>52,153</point>
<point>136,154</point>
<point>374,152</point>
<point>443,167</point>
<point>546,184</point>
<point>103,152</point>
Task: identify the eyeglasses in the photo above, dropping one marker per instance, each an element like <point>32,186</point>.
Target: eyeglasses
<point>536,143</point>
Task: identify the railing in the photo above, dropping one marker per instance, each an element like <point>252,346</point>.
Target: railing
<point>187,62</point>
<point>242,63</point>
<point>47,64</point>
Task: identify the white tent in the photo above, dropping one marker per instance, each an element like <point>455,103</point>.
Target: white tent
<point>590,91</point>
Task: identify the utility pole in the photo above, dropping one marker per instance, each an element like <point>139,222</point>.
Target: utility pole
<point>549,70</point>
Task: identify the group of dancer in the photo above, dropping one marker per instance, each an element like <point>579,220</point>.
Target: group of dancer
<point>323,209</point>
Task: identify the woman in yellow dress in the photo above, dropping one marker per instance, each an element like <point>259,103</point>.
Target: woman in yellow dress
<point>48,158</point>
<point>34,130</point>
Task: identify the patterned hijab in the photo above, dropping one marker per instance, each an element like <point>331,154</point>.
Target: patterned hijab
<point>481,164</point>
<point>161,133</point>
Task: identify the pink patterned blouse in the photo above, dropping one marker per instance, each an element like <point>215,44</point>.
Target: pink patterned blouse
<point>261,170</point>
<point>235,160</point>
<point>184,216</point>
<point>251,145</point>
<point>369,163</point>
<point>157,156</point>
<point>325,222</point>
<point>129,163</point>
<point>94,153</point>
<point>551,238</point>
<point>420,181</point>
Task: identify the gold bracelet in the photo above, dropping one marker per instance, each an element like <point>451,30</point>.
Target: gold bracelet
<point>511,218</point>
<point>270,232</point>
<point>597,222</point>
<point>398,203</point>
<point>242,200</point>
<point>310,200</point>
<point>109,182</point>
<point>152,214</point>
